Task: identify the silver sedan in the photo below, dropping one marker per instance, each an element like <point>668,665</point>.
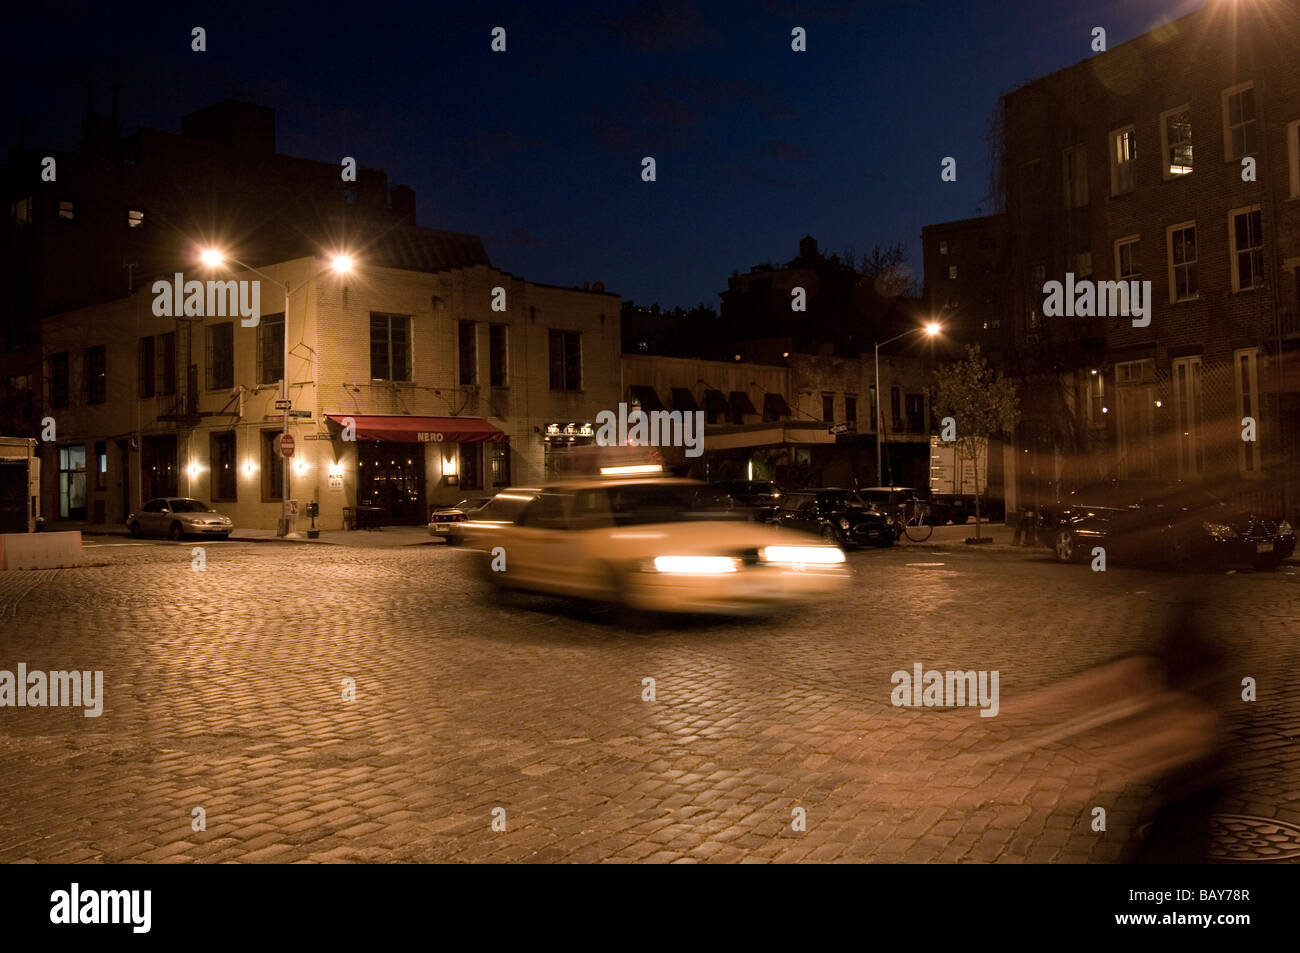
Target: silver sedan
<point>178,517</point>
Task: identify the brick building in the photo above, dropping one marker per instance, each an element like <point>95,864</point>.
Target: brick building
<point>965,264</point>
<point>448,396</point>
<point>1174,159</point>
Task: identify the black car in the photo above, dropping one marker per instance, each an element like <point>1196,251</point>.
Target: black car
<point>1150,521</point>
<point>758,498</point>
<point>838,516</point>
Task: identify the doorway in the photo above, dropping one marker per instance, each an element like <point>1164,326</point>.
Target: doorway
<point>391,477</point>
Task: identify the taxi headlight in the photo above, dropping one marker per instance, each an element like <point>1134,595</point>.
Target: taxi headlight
<point>696,565</point>
<point>807,555</point>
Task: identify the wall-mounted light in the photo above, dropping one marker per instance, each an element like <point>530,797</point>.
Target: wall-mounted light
<point>300,466</point>
<point>1160,403</point>
<point>449,474</point>
<point>250,467</point>
<point>194,469</point>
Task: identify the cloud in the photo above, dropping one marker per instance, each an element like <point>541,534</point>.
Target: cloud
<point>666,27</point>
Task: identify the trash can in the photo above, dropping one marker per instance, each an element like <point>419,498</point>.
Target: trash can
<point>313,511</point>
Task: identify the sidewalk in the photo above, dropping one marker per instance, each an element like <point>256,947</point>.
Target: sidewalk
<point>386,538</point>
<point>954,537</point>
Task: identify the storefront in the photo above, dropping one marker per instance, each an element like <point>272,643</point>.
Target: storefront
<point>404,464</point>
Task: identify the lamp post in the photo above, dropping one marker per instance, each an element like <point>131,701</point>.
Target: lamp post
<point>930,330</point>
<point>339,264</point>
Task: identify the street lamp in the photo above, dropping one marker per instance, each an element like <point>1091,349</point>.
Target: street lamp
<point>930,329</point>
<point>339,264</point>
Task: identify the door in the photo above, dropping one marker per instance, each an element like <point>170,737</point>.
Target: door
<point>391,477</point>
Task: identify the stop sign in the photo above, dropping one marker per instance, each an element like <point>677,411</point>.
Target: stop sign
<point>286,444</point>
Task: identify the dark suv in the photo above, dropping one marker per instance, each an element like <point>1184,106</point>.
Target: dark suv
<point>838,516</point>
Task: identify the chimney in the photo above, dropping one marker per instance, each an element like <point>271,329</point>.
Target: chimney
<point>808,247</point>
<point>402,201</point>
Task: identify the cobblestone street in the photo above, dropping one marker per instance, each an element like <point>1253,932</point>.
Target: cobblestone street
<point>223,690</point>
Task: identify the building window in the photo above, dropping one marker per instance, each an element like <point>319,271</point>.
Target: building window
<point>952,272</point>
<point>915,413</point>
<point>943,247</point>
<point>828,408</point>
<point>101,464</point>
<point>1187,416</point>
<point>1037,279</point>
<point>1123,154</point>
<point>875,409</point>
<point>1240,133</point>
<point>471,470</point>
<point>22,212</point>
<point>1293,156</point>
<point>134,218</point>
<point>1083,264</point>
<point>221,356</point>
<point>895,407</point>
<point>146,366</point>
<point>1031,177</point>
<point>270,349</point>
<point>1096,397</point>
<point>1176,141</point>
<point>158,468</point>
<point>1246,366</point>
<point>96,370</point>
<point>1246,243</point>
<point>497,366</point>
<point>566,360</point>
<point>500,463</point>
<point>67,210</point>
<point>72,482</point>
<point>272,468</point>
<point>1182,261</point>
<point>59,380</point>
<point>851,411</point>
<point>1075,167</point>
<point>467,341</point>
<point>390,347</point>
<point>167,380</point>
<point>1128,263</point>
<point>225,474</point>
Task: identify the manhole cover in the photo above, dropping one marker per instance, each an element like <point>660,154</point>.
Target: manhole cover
<point>1240,837</point>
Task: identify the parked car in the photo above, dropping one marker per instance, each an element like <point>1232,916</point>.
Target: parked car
<point>177,517</point>
<point>838,516</point>
<point>1151,521</point>
<point>892,499</point>
<point>645,544</point>
<point>444,521</point>
<point>760,499</point>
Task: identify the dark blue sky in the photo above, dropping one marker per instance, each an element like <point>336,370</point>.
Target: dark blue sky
<point>538,150</point>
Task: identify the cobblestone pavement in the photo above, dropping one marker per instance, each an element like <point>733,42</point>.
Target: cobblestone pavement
<point>224,692</point>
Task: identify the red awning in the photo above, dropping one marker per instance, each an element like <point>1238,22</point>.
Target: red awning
<point>403,429</point>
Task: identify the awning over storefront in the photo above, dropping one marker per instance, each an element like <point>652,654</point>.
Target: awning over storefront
<point>775,407</point>
<point>766,435</point>
<point>401,428</point>
<point>715,404</point>
<point>646,397</point>
<point>684,400</point>
<point>741,405</point>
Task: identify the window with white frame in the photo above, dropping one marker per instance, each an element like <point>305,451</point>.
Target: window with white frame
<point>1246,370</point>
<point>1096,398</point>
<point>1123,155</point>
<point>1083,264</point>
<point>1246,247</point>
<point>1240,129</point>
<point>1182,261</point>
<point>1128,264</point>
<point>1187,416</point>
<point>1176,141</point>
<point>1075,167</point>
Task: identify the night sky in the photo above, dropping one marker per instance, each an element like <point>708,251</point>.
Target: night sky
<point>538,150</point>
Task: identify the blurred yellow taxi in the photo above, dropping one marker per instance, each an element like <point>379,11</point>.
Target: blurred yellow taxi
<point>652,543</point>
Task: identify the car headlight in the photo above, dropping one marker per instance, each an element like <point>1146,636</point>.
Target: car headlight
<point>807,555</point>
<point>1219,531</point>
<point>696,565</point>
<point>1284,529</point>
<point>844,523</point>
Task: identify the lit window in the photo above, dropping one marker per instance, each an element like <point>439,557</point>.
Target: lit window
<point>943,248</point>
<point>1128,265</point>
<point>1176,141</point>
<point>67,210</point>
<point>952,272</point>
<point>134,218</point>
<point>1123,155</point>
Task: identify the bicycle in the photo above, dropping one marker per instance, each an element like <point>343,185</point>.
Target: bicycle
<point>914,518</point>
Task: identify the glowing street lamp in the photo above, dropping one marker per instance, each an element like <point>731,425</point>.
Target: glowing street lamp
<point>340,264</point>
<point>931,329</point>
